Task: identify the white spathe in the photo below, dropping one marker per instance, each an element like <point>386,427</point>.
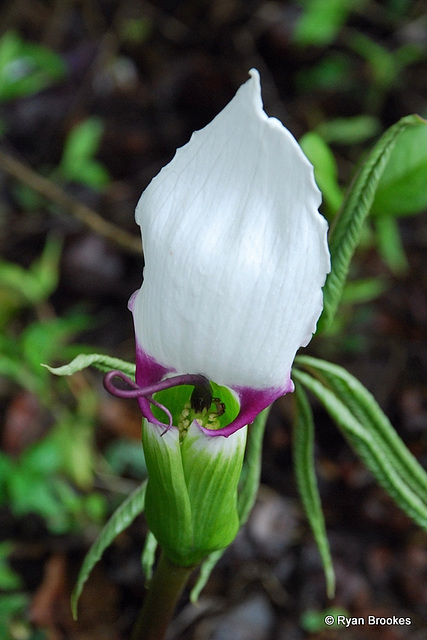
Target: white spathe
<point>235,251</point>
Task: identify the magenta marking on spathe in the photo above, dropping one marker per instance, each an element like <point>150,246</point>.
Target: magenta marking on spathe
<point>148,372</point>
<point>252,402</point>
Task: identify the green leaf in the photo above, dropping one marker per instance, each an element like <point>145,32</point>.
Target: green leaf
<point>334,71</point>
<point>148,556</point>
<point>379,447</point>
<point>303,451</point>
<point>346,231</point>
<point>13,368</point>
<point>314,621</point>
<point>390,244</point>
<point>363,290</point>
<point>119,521</point>
<point>77,162</point>
<point>30,493</point>
<point>73,435</point>
<point>251,473</point>
<point>8,578</point>
<point>43,457</point>
<point>384,66</point>
<point>349,130</point>
<point>82,143</point>
<point>37,283</point>
<point>7,468</point>
<point>325,168</point>
<point>402,189</point>
<point>365,408</point>
<point>43,341</point>
<point>25,67</point>
<point>45,270</point>
<point>98,360</point>
<point>93,174</point>
<point>12,604</point>
<point>249,484</point>
<point>321,21</point>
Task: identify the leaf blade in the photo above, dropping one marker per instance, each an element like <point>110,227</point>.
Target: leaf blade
<point>367,446</point>
<point>98,360</point>
<point>119,521</point>
<point>303,454</point>
<point>368,412</point>
<point>345,233</point>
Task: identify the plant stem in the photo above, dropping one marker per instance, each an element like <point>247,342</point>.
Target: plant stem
<point>162,597</point>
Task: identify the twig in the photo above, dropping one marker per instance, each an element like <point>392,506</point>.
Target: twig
<point>77,209</point>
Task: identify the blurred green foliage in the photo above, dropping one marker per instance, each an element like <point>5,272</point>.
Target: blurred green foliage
<point>20,288</point>
<point>77,162</point>
<point>321,20</point>
<point>39,480</point>
<point>314,621</point>
<point>26,68</point>
<point>54,476</point>
<point>12,613</point>
<point>22,352</point>
<point>8,578</point>
<point>401,191</point>
<point>325,170</point>
<point>403,187</point>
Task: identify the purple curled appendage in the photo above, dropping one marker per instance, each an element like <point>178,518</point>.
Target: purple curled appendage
<point>136,391</point>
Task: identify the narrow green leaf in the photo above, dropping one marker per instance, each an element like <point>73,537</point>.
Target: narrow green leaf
<point>346,231</point>
<point>370,448</point>
<point>98,360</point>
<point>148,556</point>
<point>119,521</point>
<point>363,405</point>
<point>249,483</point>
<point>303,451</point>
<point>251,472</point>
<point>206,569</point>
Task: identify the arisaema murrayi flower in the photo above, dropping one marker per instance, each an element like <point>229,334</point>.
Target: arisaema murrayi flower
<point>235,259</point>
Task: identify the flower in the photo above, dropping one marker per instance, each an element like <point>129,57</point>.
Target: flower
<point>235,260</point>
